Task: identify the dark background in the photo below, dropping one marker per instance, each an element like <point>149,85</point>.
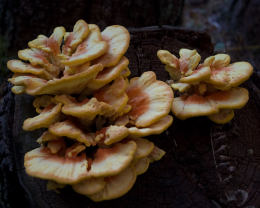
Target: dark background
<point>233,26</point>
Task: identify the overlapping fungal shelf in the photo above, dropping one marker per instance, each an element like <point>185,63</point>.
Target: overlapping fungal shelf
<point>208,89</point>
<point>94,117</point>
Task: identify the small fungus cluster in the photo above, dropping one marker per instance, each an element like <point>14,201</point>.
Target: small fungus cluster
<point>208,89</point>
<point>93,115</point>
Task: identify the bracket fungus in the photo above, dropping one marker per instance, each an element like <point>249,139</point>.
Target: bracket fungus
<point>43,164</point>
<point>120,184</point>
<point>208,89</point>
<point>223,116</point>
<point>224,75</point>
<point>156,128</point>
<point>116,186</point>
<point>149,98</point>
<point>93,115</point>
<point>110,187</point>
<point>142,165</point>
<point>118,40</point>
<point>48,116</point>
<point>89,49</point>
<point>108,74</point>
<point>74,38</point>
<point>89,186</point>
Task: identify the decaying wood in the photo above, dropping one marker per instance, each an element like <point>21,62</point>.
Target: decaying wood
<point>190,174</point>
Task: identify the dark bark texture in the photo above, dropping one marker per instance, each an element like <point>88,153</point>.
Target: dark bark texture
<point>22,20</point>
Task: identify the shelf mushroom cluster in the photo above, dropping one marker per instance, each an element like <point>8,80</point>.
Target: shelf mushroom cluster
<point>208,89</point>
<point>93,115</point>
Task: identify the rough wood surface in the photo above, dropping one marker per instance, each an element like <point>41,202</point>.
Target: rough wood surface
<point>206,165</point>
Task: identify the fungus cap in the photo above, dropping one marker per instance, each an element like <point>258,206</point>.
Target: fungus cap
<point>156,128</point>
<point>231,75</point>
<point>118,39</point>
<point>142,165</point>
<point>20,67</point>
<point>69,129</point>
<point>51,44</point>
<point>144,147</point>
<point>114,94</point>
<point>74,38</point>
<point>26,84</point>
<point>48,116</point>
<point>181,87</point>
<point>198,105</point>
<point>41,102</point>
<point>223,116</point>
<point>115,134</point>
<point>38,57</point>
<point>91,48</point>
<point>194,105</point>
<point>167,58</point>
<point>156,154</point>
<point>199,74</point>
<point>108,74</point>
<point>116,186</point>
<point>42,164</point>
<point>46,137</point>
<point>66,84</point>
<point>150,99</point>
<point>88,109</point>
<point>112,160</point>
<point>90,186</point>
